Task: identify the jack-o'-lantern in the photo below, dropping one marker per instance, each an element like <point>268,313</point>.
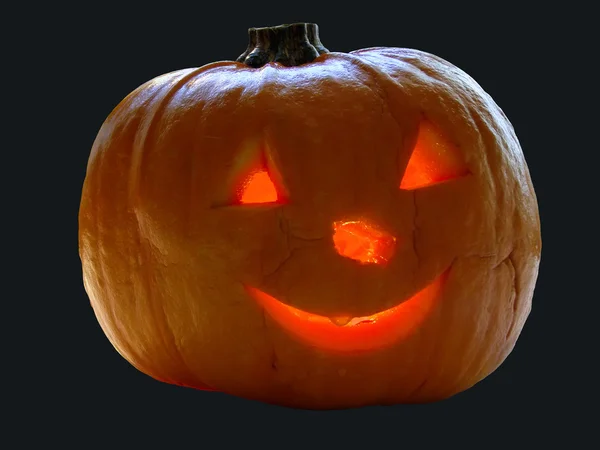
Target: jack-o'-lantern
<point>310,228</point>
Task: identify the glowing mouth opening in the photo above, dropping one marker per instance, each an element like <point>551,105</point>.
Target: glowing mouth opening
<point>349,334</point>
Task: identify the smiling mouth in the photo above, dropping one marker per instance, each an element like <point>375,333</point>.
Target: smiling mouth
<point>350,334</point>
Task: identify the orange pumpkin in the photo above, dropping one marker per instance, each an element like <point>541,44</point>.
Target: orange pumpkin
<point>310,228</point>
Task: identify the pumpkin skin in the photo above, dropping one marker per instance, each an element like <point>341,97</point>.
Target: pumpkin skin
<point>170,260</point>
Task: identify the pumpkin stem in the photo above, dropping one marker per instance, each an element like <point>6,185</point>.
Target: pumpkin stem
<point>289,45</point>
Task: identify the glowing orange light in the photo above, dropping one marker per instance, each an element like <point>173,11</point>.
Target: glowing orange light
<point>360,241</point>
<point>258,188</point>
<point>434,160</point>
<point>355,334</point>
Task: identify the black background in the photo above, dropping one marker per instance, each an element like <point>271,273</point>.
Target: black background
<point>72,386</point>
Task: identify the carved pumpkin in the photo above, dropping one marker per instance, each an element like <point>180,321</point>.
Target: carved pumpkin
<point>310,228</point>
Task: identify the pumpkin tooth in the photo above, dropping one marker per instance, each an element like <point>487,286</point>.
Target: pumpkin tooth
<point>340,321</point>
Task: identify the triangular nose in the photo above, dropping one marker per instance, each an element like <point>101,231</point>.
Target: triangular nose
<point>363,242</point>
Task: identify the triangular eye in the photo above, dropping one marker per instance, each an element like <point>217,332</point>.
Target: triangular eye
<point>258,188</point>
<point>253,178</point>
<point>434,159</point>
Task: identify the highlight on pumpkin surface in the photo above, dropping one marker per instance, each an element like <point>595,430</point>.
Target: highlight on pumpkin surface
<point>363,242</point>
<point>343,333</point>
<point>434,159</point>
<point>258,188</point>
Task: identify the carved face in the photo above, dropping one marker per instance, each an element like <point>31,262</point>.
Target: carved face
<point>361,229</point>
<point>433,160</point>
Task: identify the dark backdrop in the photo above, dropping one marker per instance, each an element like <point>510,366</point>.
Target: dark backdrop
<point>76,386</point>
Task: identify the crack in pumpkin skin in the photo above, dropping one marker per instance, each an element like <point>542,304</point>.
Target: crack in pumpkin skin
<point>353,334</point>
